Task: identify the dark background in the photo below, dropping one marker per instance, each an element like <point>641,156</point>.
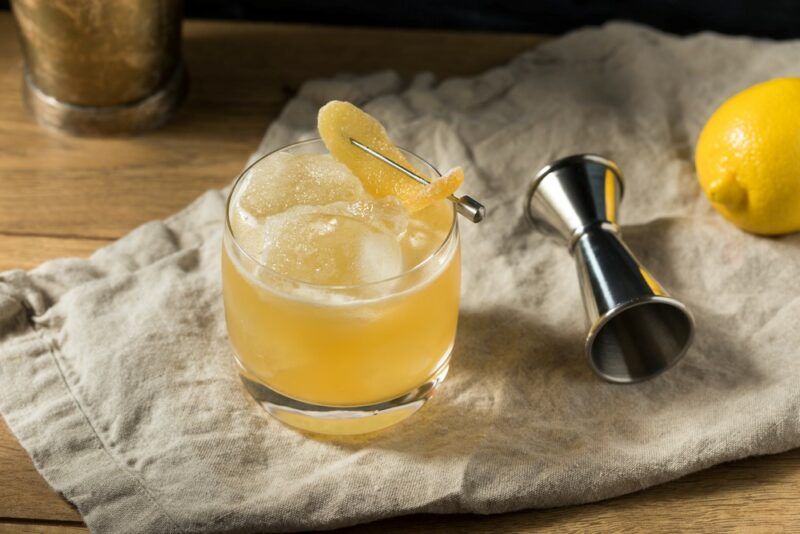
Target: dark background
<point>766,18</point>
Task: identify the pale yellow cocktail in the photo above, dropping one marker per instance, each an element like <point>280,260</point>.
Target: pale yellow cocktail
<point>341,307</point>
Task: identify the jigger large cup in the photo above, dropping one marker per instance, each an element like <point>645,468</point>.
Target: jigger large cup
<point>636,329</point>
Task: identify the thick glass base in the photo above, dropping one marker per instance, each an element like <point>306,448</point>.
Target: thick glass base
<point>340,420</point>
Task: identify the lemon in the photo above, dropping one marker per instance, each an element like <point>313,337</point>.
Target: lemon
<point>748,158</point>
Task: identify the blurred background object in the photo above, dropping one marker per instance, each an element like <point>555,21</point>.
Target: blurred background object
<point>97,67</point>
<point>101,68</point>
<point>767,18</point>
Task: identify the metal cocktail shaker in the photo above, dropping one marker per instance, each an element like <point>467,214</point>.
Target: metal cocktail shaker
<point>94,67</point>
<point>636,329</point>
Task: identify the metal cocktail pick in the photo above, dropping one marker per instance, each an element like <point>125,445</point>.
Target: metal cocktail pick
<point>465,205</point>
<point>636,329</point>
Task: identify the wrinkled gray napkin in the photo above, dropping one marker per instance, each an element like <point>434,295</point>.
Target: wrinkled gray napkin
<point>116,372</point>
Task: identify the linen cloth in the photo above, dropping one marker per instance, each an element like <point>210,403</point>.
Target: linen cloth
<point>116,374</point>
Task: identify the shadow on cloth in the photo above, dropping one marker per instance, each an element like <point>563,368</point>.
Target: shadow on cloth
<point>524,386</point>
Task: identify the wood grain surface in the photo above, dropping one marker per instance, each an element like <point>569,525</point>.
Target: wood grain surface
<point>62,196</point>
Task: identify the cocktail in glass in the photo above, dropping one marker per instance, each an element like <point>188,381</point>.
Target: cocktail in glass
<point>341,309</point>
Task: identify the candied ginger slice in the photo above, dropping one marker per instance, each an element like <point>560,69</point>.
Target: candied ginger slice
<point>438,189</point>
<point>338,122</point>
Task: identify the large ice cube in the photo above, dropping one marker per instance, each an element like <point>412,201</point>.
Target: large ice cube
<point>336,244</point>
<point>285,180</point>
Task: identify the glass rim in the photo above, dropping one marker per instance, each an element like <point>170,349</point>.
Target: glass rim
<point>451,233</point>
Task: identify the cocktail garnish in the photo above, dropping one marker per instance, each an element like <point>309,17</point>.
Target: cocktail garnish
<point>440,188</point>
<point>360,142</point>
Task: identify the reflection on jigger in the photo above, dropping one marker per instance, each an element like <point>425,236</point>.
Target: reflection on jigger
<point>636,329</point>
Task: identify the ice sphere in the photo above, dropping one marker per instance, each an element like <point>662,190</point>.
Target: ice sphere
<point>285,180</point>
<point>336,244</point>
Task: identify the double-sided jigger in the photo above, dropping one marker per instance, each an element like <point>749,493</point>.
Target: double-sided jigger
<point>636,330</point>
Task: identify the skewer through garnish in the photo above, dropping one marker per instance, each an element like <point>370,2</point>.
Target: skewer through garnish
<point>465,205</point>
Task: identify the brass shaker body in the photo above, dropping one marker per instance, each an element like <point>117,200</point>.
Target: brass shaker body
<point>95,67</point>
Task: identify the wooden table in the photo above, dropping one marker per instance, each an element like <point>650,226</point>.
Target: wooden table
<point>63,196</point>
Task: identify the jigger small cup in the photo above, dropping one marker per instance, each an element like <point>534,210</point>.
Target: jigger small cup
<point>636,329</point>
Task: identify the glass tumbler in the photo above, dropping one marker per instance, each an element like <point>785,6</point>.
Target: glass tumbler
<point>341,359</point>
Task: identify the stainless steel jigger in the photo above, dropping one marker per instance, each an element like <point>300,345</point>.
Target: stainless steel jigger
<point>636,330</point>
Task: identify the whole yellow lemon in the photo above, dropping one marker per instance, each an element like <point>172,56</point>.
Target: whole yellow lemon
<point>748,158</point>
